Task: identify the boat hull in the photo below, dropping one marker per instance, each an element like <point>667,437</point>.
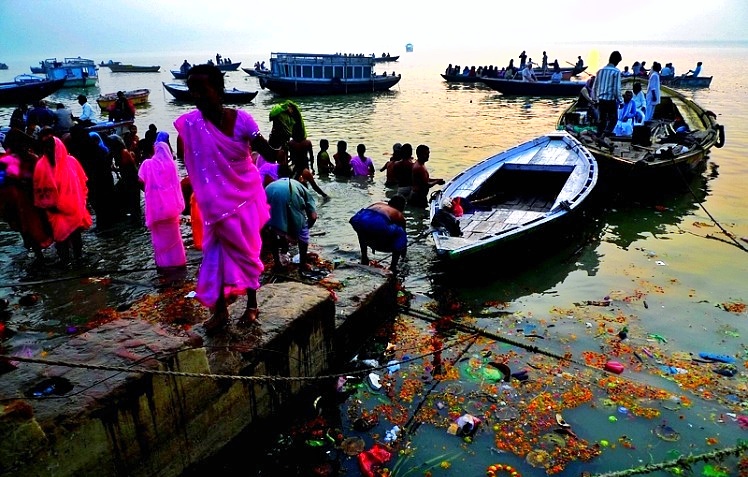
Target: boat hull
<point>133,69</point>
<point>523,191</point>
<point>28,92</point>
<point>137,97</point>
<point>309,87</point>
<point>232,96</point>
<point>539,88</point>
<point>659,152</point>
<point>687,81</point>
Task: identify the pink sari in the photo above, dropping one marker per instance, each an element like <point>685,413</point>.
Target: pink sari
<point>232,201</point>
<point>164,203</point>
<point>61,190</point>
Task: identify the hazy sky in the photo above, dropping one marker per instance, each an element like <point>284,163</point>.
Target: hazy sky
<point>104,28</point>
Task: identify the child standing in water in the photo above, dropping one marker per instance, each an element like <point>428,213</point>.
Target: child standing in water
<point>324,165</point>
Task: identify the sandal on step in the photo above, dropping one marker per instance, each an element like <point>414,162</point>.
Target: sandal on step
<point>249,317</point>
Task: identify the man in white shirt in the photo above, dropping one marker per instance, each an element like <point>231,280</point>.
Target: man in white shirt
<point>87,116</point>
<point>528,74</point>
<point>653,90</point>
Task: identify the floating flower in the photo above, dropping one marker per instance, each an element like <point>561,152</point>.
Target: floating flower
<point>538,458</point>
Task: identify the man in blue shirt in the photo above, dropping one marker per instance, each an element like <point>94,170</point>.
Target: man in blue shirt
<point>696,71</point>
<point>608,94</point>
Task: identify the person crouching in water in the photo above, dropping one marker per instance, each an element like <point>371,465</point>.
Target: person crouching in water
<point>381,227</point>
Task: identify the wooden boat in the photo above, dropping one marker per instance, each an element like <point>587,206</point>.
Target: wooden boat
<point>136,96</point>
<point>133,68</point>
<point>521,191</point>
<point>3,66</point>
<point>684,81</point>
<point>461,78</point>
<point>255,71</point>
<point>107,128</point>
<point>297,74</point>
<point>229,66</point>
<point>233,95</point>
<point>77,72</point>
<point>179,74</point>
<point>679,137</point>
<point>385,59</point>
<point>515,87</point>
<point>28,89</point>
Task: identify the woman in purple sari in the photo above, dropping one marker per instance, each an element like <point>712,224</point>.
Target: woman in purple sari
<point>216,144</point>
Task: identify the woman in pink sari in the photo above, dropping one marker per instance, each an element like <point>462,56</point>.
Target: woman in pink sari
<point>164,203</point>
<point>216,144</point>
<point>60,189</point>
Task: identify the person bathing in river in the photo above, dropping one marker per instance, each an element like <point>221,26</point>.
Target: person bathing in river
<point>381,227</point>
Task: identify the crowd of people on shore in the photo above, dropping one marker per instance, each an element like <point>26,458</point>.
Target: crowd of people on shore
<point>246,195</point>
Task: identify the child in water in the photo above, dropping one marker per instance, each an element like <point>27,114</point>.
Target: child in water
<point>324,165</point>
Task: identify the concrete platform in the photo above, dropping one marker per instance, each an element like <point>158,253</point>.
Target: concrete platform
<point>68,420</point>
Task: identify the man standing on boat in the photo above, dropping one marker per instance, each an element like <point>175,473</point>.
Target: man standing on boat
<point>653,90</point>
<point>608,93</point>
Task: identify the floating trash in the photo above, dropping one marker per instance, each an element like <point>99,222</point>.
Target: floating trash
<point>553,439</point>
<point>352,445</point>
<point>539,458</point>
<point>666,433</point>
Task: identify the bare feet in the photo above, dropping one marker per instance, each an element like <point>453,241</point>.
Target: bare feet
<point>249,317</point>
<point>216,322</point>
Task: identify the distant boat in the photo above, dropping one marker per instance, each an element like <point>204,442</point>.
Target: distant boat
<point>229,66</point>
<point>28,89</point>
<point>385,59</point>
<point>300,74</point>
<point>179,74</point>
<point>3,66</point>
<point>523,190</point>
<point>133,68</point>
<point>684,81</point>
<point>136,97</point>
<point>537,88</point>
<point>409,47</point>
<point>110,63</point>
<point>255,71</point>
<point>235,96</point>
<point>77,72</point>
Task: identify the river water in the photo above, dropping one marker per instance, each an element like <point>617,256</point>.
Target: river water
<point>672,277</point>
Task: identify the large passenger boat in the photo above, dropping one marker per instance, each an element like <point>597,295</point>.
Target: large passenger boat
<point>296,74</point>
<point>77,72</point>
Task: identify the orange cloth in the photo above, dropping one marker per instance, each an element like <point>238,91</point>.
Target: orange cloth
<point>61,190</point>
<point>196,218</point>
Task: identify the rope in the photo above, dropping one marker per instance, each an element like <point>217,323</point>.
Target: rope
<point>682,461</point>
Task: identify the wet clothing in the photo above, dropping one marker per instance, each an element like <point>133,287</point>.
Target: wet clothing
<point>377,231</point>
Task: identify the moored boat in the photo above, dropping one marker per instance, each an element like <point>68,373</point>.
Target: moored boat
<point>28,89</point>
<point>297,74</point>
<point>120,68</point>
<point>136,96</point>
<point>255,71</point>
<point>77,72</point>
<point>523,190</point>
<point>386,59</point>
<point>678,137</point>
<point>233,95</point>
<point>516,87</point>
<point>110,63</point>
<point>229,66</point>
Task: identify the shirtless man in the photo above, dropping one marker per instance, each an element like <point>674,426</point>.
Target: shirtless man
<point>382,227</point>
<point>421,180</point>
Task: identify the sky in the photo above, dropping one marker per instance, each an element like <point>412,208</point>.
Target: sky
<point>104,28</point>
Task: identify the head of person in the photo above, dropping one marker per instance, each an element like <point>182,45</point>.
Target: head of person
<point>324,144</point>
<point>615,58</point>
<point>342,146</point>
<point>206,85</point>
<point>121,95</point>
<point>82,99</point>
<point>698,64</point>
<point>656,66</point>
<point>397,202</point>
<point>406,151</point>
<point>422,153</point>
<point>162,136</point>
<point>637,87</point>
<point>628,96</point>
<point>361,150</point>
<point>447,204</point>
